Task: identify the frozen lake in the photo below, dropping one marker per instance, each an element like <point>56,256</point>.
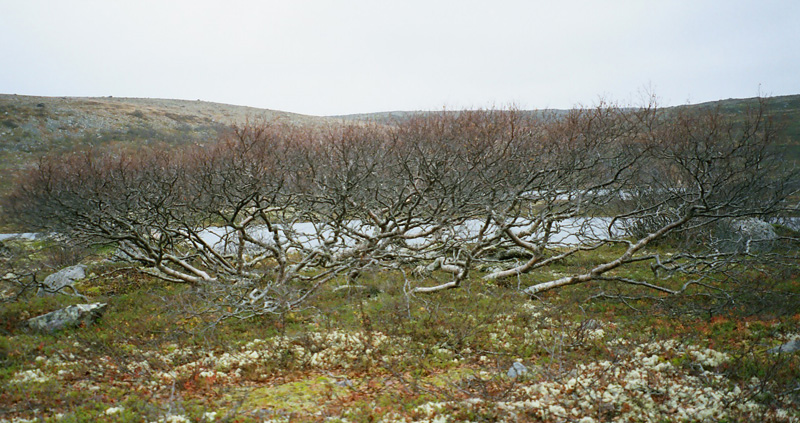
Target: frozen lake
<point>28,235</point>
<point>568,232</point>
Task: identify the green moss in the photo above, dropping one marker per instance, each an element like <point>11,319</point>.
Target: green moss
<point>449,378</point>
<point>306,396</point>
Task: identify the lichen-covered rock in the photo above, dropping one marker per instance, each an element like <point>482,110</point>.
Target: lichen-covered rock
<point>65,277</point>
<point>67,317</point>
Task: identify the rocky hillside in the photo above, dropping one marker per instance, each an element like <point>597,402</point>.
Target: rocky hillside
<point>32,126</point>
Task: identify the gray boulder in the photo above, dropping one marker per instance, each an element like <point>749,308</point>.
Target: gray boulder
<point>789,347</point>
<point>752,228</point>
<point>62,279</point>
<point>71,316</point>
<point>748,235</point>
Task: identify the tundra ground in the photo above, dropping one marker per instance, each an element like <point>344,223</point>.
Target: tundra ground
<point>593,353</point>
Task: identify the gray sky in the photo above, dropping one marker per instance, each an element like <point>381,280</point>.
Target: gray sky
<point>337,57</point>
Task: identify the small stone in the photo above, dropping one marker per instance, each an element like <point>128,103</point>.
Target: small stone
<point>591,324</point>
<point>789,347</point>
<point>344,383</point>
<point>513,253</point>
<point>516,370</point>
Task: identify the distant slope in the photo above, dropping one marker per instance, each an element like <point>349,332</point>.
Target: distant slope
<point>33,126</point>
<point>786,110</point>
<point>387,118</point>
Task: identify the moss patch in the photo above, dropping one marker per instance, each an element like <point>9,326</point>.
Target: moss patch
<point>305,396</point>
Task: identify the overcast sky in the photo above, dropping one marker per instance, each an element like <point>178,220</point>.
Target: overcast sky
<point>338,57</point>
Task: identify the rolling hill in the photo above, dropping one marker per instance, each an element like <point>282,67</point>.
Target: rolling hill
<point>32,126</point>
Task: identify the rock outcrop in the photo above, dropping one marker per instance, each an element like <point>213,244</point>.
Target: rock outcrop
<point>72,316</point>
